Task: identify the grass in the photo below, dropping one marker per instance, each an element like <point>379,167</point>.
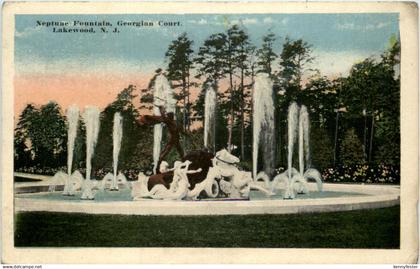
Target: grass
<point>376,228</point>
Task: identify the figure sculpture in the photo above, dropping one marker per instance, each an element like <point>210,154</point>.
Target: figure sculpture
<point>222,174</point>
<point>178,189</point>
<point>235,183</point>
<point>173,131</point>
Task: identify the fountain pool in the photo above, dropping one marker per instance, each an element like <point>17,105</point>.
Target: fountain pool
<point>335,197</point>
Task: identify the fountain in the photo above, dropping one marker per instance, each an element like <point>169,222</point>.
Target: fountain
<point>209,117</point>
<point>59,178</point>
<point>303,138</point>
<point>116,139</point>
<point>292,121</point>
<point>201,175</point>
<point>109,178</point>
<point>296,181</point>
<point>263,123</point>
<point>73,120</point>
<point>304,155</point>
<point>91,119</point>
<point>162,96</point>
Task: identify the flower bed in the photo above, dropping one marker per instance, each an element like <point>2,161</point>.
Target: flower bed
<point>363,173</point>
<point>359,173</point>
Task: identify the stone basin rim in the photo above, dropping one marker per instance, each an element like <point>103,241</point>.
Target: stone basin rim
<point>377,196</point>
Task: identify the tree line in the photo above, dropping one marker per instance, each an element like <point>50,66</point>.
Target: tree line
<point>354,119</point>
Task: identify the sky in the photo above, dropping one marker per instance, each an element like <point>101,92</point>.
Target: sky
<point>90,69</point>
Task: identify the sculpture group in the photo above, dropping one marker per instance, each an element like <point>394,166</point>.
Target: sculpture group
<point>198,174</point>
<point>223,179</point>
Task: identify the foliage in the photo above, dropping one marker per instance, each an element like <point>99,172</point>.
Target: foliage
<point>266,55</point>
<point>40,136</point>
<point>135,148</point>
<point>322,150</point>
<point>294,61</point>
<point>180,62</point>
<point>351,150</point>
<point>209,60</point>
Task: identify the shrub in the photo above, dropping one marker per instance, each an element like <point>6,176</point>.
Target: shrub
<point>322,150</point>
<point>351,150</point>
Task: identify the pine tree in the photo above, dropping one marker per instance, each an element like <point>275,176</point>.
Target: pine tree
<point>266,55</point>
<point>180,62</point>
<point>210,69</point>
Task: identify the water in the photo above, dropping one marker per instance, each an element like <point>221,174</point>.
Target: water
<point>280,194</point>
<point>104,196</point>
<point>298,181</point>
<point>91,119</point>
<point>303,138</point>
<point>72,120</point>
<point>162,96</point>
<point>209,117</point>
<point>123,194</point>
<point>263,118</point>
<point>292,121</point>
<point>116,139</point>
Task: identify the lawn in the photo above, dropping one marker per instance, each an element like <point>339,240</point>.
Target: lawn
<point>376,228</point>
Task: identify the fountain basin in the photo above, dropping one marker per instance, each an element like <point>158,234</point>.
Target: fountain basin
<point>336,197</point>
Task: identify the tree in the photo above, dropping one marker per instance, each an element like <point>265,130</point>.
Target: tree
<point>146,98</point>
<point>133,134</point>
<point>180,62</point>
<point>44,130</point>
<point>294,62</point>
<point>266,55</point>
<point>388,122</point>
<point>295,59</point>
<point>209,60</point>
<point>23,151</point>
<point>243,62</point>
<point>372,91</point>
<point>210,68</point>
<point>234,37</point>
<point>321,96</point>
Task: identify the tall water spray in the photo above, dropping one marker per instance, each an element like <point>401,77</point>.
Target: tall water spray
<point>91,119</point>
<point>292,121</point>
<point>263,116</point>
<point>303,138</point>
<point>72,120</point>
<point>116,139</point>
<point>209,117</point>
<point>162,96</point>
<point>297,181</point>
